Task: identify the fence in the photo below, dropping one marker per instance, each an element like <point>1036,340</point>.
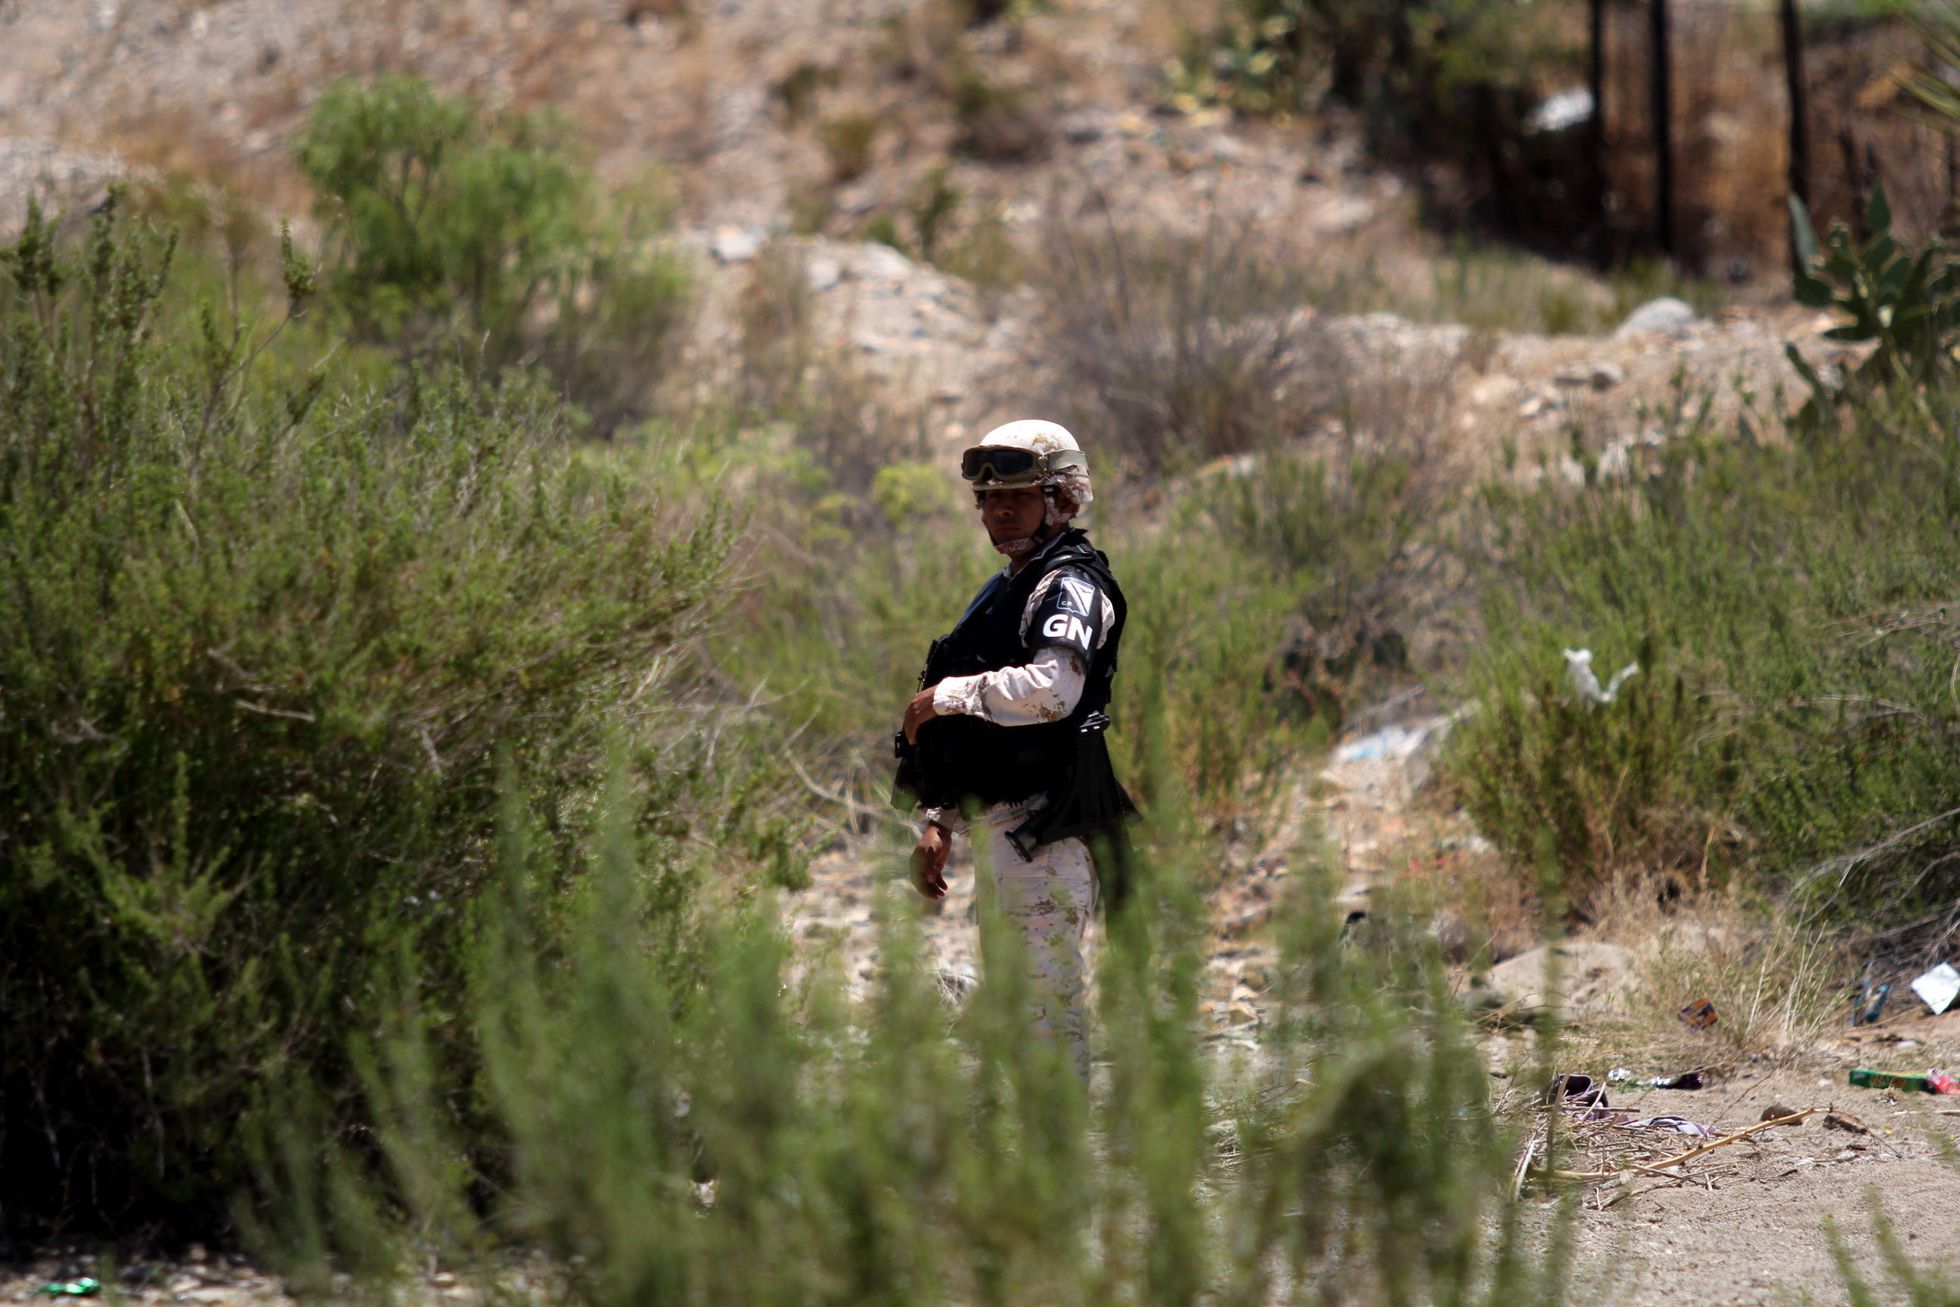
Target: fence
<point>1730,129</point>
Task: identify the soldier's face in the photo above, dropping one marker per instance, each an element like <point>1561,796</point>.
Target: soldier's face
<point>1012,515</point>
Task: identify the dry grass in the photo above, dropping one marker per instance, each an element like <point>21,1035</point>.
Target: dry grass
<point>1775,985</point>
<point>1162,28</point>
<point>1486,909</point>
<point>774,317</point>
<point>1183,351</point>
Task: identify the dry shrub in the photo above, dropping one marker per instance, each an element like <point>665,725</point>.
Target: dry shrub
<point>775,322</point>
<point>1774,982</point>
<point>848,141</point>
<point>1176,351</point>
<point>998,122</point>
<point>1484,912</point>
<point>920,42</point>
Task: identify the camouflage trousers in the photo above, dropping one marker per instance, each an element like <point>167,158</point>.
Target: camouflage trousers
<point>1046,903</point>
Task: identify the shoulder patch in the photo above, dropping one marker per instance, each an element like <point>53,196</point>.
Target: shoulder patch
<point>1078,597</point>
<point>1067,611</point>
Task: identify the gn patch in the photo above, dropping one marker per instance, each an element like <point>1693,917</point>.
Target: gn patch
<point>1069,615</point>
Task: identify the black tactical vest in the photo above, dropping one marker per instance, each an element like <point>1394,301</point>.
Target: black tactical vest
<point>962,759</point>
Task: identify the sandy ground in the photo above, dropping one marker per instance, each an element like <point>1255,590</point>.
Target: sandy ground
<point>1754,1226</point>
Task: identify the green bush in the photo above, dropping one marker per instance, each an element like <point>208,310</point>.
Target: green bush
<point>1906,305</point>
<point>1792,609</point>
<point>485,241</point>
<point>268,636</point>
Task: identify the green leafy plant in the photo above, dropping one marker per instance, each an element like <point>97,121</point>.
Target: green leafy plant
<point>1791,609</point>
<point>1251,63</point>
<point>1905,305</point>
<point>1937,24</point>
<point>761,1136</point>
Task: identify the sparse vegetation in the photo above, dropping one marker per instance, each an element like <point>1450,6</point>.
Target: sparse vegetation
<point>1184,351</point>
<point>997,123</point>
<point>395,783</point>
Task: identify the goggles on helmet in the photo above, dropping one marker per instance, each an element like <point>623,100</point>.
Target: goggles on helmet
<point>992,465</point>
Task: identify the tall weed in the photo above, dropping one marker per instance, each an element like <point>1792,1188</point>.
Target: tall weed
<point>739,1138</point>
<point>1183,352</point>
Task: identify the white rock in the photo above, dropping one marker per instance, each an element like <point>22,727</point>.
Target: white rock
<point>1343,216</point>
<point>734,245</point>
<point>823,272</point>
<point>880,262</point>
<point>1665,316</point>
<point>1585,978</point>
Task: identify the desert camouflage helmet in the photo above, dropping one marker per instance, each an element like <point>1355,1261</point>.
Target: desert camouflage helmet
<point>1029,452</point>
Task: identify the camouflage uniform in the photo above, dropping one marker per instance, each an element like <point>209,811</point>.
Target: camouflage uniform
<point>1049,897</point>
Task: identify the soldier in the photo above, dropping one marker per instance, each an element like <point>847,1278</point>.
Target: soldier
<point>1004,739</point>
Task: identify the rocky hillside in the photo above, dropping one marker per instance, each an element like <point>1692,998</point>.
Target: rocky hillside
<point>777,118</point>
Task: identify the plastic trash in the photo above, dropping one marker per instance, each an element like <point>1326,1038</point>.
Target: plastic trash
<point>1575,1089</point>
<point>1867,1079</point>
<point>1680,1125</point>
<point>1392,742</point>
<point>1560,110</point>
<point>86,1287</point>
<point>1579,671</point>
<point>1939,1082</point>
<point>1686,1080</point>
<point>1874,1003</point>
<point>1699,1014</point>
<point>1938,987</point>
<point>1619,1075</point>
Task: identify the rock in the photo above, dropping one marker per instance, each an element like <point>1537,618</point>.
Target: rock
<point>1592,979</point>
<point>1598,375</point>
<point>1493,389</point>
<point>1452,937</point>
<point>1343,216</point>
<point>1665,316</point>
<point>879,262</point>
<point>1225,148</point>
<point>1085,126</point>
<point>734,245</point>
<point>823,273</point>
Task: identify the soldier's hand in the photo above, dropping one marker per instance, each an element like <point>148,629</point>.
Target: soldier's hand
<point>929,861</point>
<point>918,711</point>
